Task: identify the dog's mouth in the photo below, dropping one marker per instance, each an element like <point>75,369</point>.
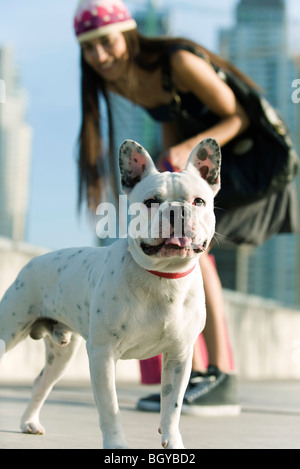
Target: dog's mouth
<point>182,247</point>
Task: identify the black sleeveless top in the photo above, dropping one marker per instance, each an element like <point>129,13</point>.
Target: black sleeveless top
<point>255,221</point>
<point>185,108</point>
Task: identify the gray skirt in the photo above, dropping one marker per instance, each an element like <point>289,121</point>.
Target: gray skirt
<point>256,222</point>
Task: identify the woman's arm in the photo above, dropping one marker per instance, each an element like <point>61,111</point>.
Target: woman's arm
<point>170,135</point>
<point>193,74</point>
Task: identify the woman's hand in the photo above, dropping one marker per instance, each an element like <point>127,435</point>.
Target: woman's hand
<point>174,159</point>
<point>194,75</point>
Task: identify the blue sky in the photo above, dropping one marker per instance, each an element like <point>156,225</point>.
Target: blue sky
<point>47,55</point>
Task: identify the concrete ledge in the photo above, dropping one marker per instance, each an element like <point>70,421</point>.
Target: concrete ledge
<point>13,257</point>
<point>265,336</point>
<point>26,361</point>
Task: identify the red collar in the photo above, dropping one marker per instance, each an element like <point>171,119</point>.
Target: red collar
<point>172,275</point>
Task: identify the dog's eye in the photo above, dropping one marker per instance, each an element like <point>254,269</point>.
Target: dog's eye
<point>150,202</point>
<point>199,202</point>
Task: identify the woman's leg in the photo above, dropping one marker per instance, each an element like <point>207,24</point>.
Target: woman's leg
<point>215,332</point>
<point>200,359</point>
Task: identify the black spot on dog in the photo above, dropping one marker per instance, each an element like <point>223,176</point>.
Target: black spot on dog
<point>72,255</point>
<point>50,358</point>
<point>30,309</point>
<point>167,389</point>
<point>202,154</point>
<point>115,335</point>
<point>18,284</point>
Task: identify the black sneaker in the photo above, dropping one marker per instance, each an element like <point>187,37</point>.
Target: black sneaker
<point>212,394</point>
<point>209,394</point>
<point>150,403</point>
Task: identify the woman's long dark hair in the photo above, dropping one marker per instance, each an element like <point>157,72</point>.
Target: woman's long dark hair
<point>95,168</point>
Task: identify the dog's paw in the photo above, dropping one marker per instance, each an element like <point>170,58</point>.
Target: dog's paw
<point>172,441</point>
<point>34,428</point>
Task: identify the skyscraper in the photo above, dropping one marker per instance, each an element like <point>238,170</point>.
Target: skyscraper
<point>15,151</point>
<point>257,44</point>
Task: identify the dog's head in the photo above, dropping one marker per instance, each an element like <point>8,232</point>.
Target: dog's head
<point>172,213</point>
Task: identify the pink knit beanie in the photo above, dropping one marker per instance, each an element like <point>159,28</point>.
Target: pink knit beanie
<point>96,18</point>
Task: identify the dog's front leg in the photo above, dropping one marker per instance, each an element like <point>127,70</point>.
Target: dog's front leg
<point>175,377</point>
<point>102,368</point>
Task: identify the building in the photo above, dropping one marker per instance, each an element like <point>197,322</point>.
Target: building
<point>258,45</point>
<point>15,151</point>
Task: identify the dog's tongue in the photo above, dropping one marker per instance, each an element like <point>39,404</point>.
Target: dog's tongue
<point>181,242</point>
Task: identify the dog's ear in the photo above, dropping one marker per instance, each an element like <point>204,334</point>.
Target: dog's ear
<point>135,163</point>
<point>206,158</point>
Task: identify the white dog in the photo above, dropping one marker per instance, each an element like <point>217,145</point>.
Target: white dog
<point>138,298</point>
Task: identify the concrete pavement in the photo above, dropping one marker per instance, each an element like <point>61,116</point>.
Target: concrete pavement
<point>270,419</point>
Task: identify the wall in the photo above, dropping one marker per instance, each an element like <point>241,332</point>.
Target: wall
<point>265,336</point>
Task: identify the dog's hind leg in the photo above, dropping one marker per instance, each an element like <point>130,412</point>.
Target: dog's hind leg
<point>57,359</point>
<point>19,309</point>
